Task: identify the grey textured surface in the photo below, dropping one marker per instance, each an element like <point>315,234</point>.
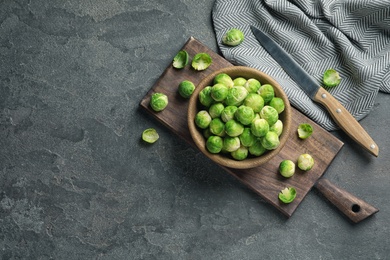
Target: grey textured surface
<point>76,181</point>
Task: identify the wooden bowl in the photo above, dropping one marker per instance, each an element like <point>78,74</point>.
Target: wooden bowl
<point>224,159</point>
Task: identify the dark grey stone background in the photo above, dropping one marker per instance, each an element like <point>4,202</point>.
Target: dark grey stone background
<point>76,181</point>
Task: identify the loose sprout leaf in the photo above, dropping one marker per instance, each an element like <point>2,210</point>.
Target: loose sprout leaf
<point>180,60</point>
<point>287,195</point>
<point>150,135</point>
<point>331,78</point>
<point>304,130</point>
<point>201,61</point>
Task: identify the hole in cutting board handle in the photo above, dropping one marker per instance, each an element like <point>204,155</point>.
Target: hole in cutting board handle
<point>355,208</point>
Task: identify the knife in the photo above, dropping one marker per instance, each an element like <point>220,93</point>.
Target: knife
<point>317,93</point>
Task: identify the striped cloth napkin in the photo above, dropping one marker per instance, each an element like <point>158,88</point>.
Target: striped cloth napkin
<point>350,36</point>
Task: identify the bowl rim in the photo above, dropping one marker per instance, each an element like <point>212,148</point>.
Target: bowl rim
<point>200,141</point>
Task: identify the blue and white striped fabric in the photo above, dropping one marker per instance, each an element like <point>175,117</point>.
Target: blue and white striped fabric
<point>350,36</point>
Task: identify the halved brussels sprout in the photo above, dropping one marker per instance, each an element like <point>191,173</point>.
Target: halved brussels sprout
<point>201,61</point>
<point>331,78</point>
<point>233,37</point>
<point>180,60</point>
<point>186,88</point>
<point>305,130</point>
<point>158,101</point>
<point>287,195</point>
<point>150,135</point>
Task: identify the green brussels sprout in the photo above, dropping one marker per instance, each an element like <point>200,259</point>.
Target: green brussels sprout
<point>180,60</point>
<point>240,154</point>
<point>233,37</point>
<point>216,109</point>
<point>270,141</point>
<point>266,91</point>
<point>224,79</point>
<point>252,85</point>
<point>287,168</point>
<point>233,128</point>
<point>270,114</point>
<point>205,96</point>
<point>278,104</point>
<point>240,81</point>
<point>244,115</point>
<point>207,133</point>
<point>331,78</point>
<point>158,101</point>
<point>247,139</point>
<point>201,61</point>
<point>186,88</point>
<point>255,101</point>
<point>150,135</point>
<point>287,195</point>
<point>259,127</point>
<point>219,92</point>
<point>305,162</point>
<point>236,96</point>
<point>217,127</point>
<point>257,148</point>
<point>277,127</point>
<point>305,130</point>
<point>231,144</point>
<point>228,113</point>
<point>203,119</point>
<point>214,144</point>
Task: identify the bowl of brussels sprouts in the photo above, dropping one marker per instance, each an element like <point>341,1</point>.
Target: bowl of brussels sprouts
<point>239,117</point>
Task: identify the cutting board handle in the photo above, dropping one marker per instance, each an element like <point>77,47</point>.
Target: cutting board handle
<point>354,208</point>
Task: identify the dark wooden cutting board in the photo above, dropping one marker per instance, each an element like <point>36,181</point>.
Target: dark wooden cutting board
<point>265,179</point>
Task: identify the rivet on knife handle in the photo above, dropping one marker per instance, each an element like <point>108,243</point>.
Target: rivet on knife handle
<point>346,121</point>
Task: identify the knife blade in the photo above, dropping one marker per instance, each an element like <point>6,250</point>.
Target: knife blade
<point>338,112</point>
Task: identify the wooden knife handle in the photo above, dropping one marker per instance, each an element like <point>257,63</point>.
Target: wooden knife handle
<point>352,207</point>
<point>346,121</point>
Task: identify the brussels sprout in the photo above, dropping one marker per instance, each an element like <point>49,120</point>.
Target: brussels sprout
<point>158,101</point>
<point>270,114</point>
<point>219,92</point>
<point>287,195</point>
<point>287,168</point>
<point>240,154</point>
<point>180,60</point>
<point>207,133</point>
<point>202,119</point>
<point>231,144</point>
<point>278,104</point>
<point>228,113</point>
<point>255,101</point>
<point>201,61</point>
<point>277,127</point>
<point>305,130</point>
<point>186,88</point>
<point>214,144</point>
<point>257,148</point>
<point>247,138</point>
<point>270,141</point>
<point>205,96</point>
<point>252,85</point>
<point>225,79</point>
<point>331,78</point>
<point>217,127</point>
<point>259,127</point>
<point>305,162</point>
<point>233,128</point>
<point>216,109</point>
<point>236,96</point>
<point>266,91</point>
<point>233,37</point>
<point>244,115</point>
<point>240,81</point>
<point>150,135</point>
